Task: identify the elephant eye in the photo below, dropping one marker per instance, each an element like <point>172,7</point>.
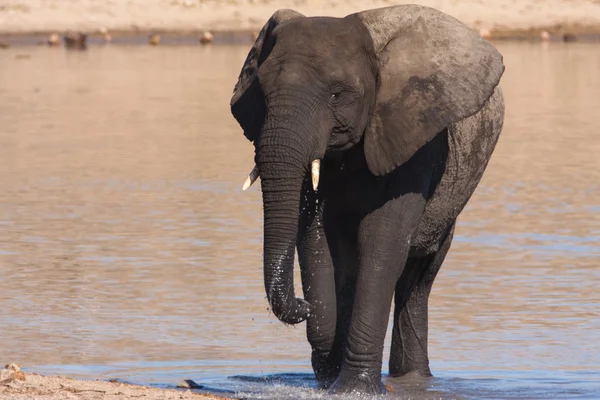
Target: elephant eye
<point>336,95</point>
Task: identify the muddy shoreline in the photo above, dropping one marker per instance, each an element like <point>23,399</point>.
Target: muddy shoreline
<point>167,37</point>
<point>555,33</point>
<point>247,37</point>
<point>25,22</point>
<point>31,385</point>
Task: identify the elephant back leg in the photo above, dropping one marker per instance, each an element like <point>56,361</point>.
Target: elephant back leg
<point>408,353</point>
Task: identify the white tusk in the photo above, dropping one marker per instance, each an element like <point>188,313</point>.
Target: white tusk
<point>251,178</point>
<point>315,169</point>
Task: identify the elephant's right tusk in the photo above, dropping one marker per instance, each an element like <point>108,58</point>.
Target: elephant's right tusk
<point>251,178</point>
<point>315,170</point>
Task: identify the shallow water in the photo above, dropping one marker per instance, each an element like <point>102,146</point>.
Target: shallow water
<point>128,250</point>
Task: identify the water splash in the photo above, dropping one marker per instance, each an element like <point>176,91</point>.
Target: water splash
<point>288,386</point>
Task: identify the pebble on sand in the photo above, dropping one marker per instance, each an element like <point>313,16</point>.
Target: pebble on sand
<point>485,33</point>
<point>4,45</point>
<point>545,36</point>
<point>206,37</point>
<point>75,40</point>
<point>53,39</point>
<point>10,373</point>
<point>189,384</point>
<point>154,39</point>
<point>105,35</point>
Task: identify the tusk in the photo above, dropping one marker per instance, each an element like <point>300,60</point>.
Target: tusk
<point>315,169</point>
<point>251,178</point>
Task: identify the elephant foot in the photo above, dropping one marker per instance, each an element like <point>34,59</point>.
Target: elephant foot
<point>326,369</point>
<point>325,382</point>
<point>358,383</point>
<point>412,373</point>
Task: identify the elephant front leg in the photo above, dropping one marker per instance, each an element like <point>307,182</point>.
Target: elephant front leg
<point>408,354</point>
<point>383,247</point>
<point>318,284</point>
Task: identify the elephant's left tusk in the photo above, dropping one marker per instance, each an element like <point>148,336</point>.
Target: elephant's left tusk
<point>251,178</point>
<point>315,170</point>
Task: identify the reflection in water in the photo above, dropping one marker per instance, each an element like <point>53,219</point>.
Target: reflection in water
<point>127,248</point>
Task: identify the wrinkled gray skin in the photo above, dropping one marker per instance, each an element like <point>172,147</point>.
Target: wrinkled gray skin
<point>403,107</point>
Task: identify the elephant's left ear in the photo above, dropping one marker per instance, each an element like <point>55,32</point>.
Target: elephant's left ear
<point>434,71</point>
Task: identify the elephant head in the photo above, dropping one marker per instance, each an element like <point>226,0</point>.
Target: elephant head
<point>388,80</point>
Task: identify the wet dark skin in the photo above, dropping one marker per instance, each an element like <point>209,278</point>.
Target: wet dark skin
<point>404,119</point>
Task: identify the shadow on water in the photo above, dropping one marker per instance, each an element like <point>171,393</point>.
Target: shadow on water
<point>127,249</point>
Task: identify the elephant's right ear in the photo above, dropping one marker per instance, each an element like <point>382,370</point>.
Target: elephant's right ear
<point>247,103</point>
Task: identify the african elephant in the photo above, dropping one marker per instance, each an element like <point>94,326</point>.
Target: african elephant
<point>371,133</point>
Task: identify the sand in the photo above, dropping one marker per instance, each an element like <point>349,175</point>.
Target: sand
<point>26,16</point>
<point>32,386</point>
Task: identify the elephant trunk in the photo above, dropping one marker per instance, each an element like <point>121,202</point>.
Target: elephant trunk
<point>283,161</point>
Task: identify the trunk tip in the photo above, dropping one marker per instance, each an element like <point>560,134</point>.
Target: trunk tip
<point>294,313</point>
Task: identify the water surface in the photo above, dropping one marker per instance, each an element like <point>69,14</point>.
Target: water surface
<point>128,250</point>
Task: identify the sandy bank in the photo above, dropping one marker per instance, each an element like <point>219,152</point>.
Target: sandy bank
<point>26,16</point>
<point>28,386</point>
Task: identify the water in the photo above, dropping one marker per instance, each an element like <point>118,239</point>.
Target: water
<point>128,250</point>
